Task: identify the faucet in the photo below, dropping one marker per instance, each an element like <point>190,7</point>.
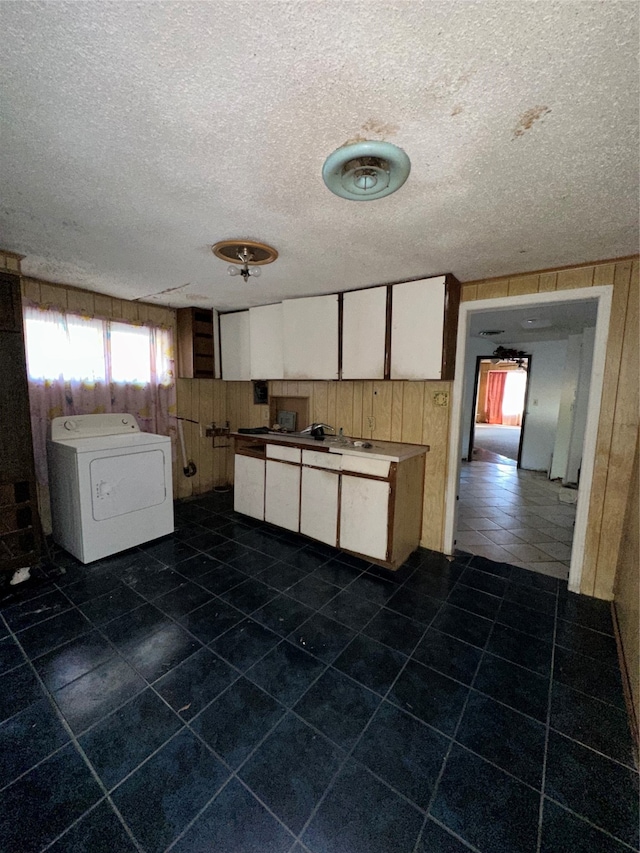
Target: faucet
<point>317,429</point>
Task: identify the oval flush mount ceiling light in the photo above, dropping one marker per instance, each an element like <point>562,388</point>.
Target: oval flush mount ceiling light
<point>363,171</point>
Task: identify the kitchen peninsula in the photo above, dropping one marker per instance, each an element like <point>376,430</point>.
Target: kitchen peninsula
<point>361,497</point>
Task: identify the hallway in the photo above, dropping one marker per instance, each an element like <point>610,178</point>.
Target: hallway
<point>496,439</point>
<point>515,516</point>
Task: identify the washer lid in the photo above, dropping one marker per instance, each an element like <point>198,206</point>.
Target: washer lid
<point>133,440</point>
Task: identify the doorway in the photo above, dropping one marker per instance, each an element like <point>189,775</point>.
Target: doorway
<point>599,297</point>
<point>500,389</point>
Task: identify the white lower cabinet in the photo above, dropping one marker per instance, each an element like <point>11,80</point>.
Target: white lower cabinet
<point>282,494</point>
<point>364,516</point>
<point>368,506</point>
<point>319,505</point>
<point>248,493</point>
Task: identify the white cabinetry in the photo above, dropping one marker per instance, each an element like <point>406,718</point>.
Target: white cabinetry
<point>369,506</point>
<point>417,329</point>
<point>282,494</point>
<point>234,346</point>
<point>364,516</point>
<point>364,325</point>
<point>265,325</point>
<point>319,504</point>
<point>310,339</point>
<point>248,494</point>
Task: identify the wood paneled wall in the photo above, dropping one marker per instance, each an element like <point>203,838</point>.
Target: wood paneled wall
<point>96,304</point>
<point>627,599</point>
<point>205,401</point>
<point>618,424</point>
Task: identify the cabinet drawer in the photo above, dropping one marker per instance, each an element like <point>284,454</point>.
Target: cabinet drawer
<point>364,465</point>
<point>285,454</point>
<point>331,461</point>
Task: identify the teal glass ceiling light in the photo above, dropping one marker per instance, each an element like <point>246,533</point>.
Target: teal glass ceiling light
<point>363,171</point>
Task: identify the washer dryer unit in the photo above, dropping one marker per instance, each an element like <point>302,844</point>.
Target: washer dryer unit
<point>110,484</point>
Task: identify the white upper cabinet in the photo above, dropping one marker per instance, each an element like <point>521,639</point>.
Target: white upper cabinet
<point>364,324</point>
<point>265,324</point>
<point>310,339</point>
<point>234,346</point>
<point>417,329</point>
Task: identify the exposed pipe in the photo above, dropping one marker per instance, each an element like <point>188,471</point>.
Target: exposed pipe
<point>188,465</point>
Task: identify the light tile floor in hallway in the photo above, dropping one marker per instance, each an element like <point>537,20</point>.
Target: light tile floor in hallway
<point>515,516</point>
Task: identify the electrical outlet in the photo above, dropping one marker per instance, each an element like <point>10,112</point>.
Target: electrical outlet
<point>371,422</point>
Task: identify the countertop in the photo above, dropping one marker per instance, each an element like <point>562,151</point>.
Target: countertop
<point>387,450</point>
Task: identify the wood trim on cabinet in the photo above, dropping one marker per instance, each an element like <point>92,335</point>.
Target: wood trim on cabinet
<point>340,327</point>
<point>393,481</point>
<point>387,333</point>
<point>452,292</point>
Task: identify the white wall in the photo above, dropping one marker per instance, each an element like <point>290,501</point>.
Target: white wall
<point>567,400</point>
<point>545,387</point>
<point>574,461</point>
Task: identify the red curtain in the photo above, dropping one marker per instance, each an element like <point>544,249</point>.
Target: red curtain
<point>495,393</point>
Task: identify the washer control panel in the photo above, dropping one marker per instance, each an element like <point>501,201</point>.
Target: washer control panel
<point>90,426</point>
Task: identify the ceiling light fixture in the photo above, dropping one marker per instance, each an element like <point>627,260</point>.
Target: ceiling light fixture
<point>363,171</point>
<point>247,255</point>
<point>536,323</point>
<point>516,356</point>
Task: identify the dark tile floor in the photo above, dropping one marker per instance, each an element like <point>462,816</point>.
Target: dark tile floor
<point>236,688</point>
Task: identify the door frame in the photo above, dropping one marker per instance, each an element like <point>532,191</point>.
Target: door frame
<point>474,407</point>
<point>602,295</point>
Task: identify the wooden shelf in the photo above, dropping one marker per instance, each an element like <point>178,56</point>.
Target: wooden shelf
<point>21,539</point>
<point>195,343</point>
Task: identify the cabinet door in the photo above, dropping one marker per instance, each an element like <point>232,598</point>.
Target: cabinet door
<point>319,505</point>
<point>311,337</point>
<point>417,328</point>
<point>282,495</point>
<point>364,516</point>
<point>248,488</point>
<point>364,326</point>
<point>234,346</point>
<point>265,325</point>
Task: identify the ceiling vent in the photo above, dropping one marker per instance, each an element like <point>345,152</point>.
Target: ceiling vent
<point>364,171</point>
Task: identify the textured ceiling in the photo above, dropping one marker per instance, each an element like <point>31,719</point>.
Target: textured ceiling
<point>564,318</point>
<point>136,135</point>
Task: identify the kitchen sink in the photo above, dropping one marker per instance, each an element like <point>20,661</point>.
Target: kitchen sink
<point>341,441</point>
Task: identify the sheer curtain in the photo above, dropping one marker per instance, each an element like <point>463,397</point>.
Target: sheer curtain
<point>80,365</point>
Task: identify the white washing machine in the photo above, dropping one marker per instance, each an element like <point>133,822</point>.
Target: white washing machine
<point>110,484</point>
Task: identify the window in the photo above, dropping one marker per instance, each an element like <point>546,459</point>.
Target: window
<point>71,348</point>
<point>130,348</point>
<point>514,391</point>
